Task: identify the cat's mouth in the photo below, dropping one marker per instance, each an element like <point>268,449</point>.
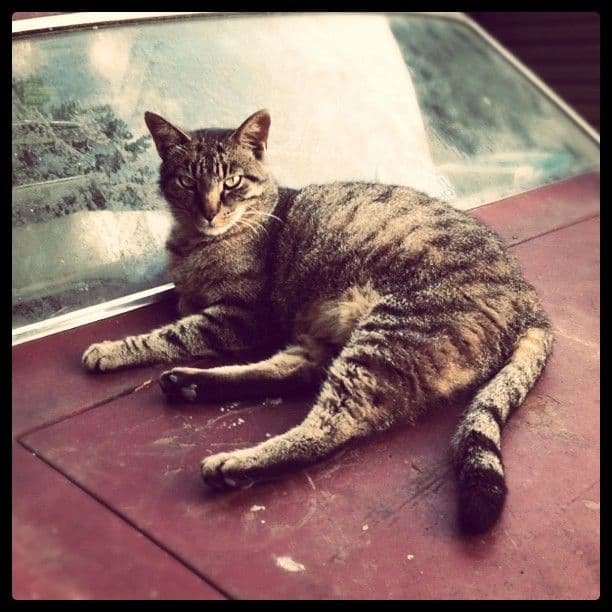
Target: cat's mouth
<point>214,230</point>
<point>219,224</point>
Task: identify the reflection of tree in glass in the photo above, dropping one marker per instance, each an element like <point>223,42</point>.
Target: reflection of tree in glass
<point>90,148</point>
<point>31,91</point>
<point>449,66</point>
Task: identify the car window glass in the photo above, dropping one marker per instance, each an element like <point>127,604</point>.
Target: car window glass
<point>426,102</point>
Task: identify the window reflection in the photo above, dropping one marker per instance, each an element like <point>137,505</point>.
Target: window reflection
<point>425,102</point>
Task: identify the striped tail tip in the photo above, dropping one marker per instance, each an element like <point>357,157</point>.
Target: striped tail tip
<point>476,445</point>
<point>482,495</point>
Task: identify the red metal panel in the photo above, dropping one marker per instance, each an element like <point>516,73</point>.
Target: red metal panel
<point>377,521</point>
<point>568,280</point>
<point>68,546</point>
<point>49,381</point>
<point>536,212</point>
<point>407,490</point>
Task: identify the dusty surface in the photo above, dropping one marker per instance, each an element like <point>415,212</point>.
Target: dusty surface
<point>376,521</point>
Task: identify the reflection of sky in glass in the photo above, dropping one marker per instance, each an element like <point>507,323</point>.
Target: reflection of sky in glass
<point>342,103</point>
<point>109,55</point>
<point>27,58</point>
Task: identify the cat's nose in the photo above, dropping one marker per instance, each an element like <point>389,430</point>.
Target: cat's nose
<point>209,214</point>
<point>210,206</point>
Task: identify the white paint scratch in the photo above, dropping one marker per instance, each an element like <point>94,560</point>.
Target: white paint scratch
<point>161,441</point>
<point>310,481</point>
<point>288,564</point>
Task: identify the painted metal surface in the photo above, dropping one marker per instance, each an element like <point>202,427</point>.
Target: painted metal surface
<point>49,381</point>
<point>537,212</point>
<point>68,546</point>
<point>377,520</point>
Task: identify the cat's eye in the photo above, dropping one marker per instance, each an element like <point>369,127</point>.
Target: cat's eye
<point>186,181</point>
<point>232,181</point>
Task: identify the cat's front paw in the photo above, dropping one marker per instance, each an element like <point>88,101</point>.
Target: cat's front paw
<point>104,356</point>
<point>182,384</point>
<point>226,471</point>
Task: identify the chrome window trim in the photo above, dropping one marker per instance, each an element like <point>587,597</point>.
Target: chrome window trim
<point>90,314</point>
<point>85,19</point>
<point>140,299</point>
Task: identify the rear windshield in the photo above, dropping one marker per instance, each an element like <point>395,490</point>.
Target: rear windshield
<point>415,100</point>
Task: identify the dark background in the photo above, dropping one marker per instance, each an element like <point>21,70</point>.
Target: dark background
<point>562,48</point>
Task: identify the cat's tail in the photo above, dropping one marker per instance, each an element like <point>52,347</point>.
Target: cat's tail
<point>476,445</point>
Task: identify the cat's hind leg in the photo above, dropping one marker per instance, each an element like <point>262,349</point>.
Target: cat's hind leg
<point>350,405</point>
<point>299,367</point>
<point>387,373</point>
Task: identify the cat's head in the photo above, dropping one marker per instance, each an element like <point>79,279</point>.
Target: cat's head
<point>214,179</point>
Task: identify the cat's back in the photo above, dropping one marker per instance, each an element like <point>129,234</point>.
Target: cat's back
<point>336,219</point>
<point>334,203</point>
<point>370,213</point>
<point>352,229</point>
<point>399,240</point>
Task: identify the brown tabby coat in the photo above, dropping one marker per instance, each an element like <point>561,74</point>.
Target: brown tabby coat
<point>384,299</point>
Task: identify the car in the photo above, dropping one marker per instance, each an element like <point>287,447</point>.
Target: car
<point>107,498</point>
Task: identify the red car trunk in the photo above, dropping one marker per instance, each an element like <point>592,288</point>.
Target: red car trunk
<point>108,500</point>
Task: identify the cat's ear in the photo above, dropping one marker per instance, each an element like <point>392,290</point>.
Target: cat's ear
<point>253,133</point>
<point>165,135</point>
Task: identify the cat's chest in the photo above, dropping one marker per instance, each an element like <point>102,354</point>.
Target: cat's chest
<point>208,275</point>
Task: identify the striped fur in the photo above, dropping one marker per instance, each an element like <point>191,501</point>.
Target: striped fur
<point>384,300</point>
<point>476,444</point>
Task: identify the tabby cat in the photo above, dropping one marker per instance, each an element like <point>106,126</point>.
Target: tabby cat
<point>383,299</point>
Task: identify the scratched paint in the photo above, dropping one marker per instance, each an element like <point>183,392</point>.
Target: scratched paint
<point>288,564</point>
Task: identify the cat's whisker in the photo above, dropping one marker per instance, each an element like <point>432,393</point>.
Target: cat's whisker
<point>245,222</point>
<point>267,214</point>
<point>249,225</point>
<point>257,224</point>
<point>248,215</point>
